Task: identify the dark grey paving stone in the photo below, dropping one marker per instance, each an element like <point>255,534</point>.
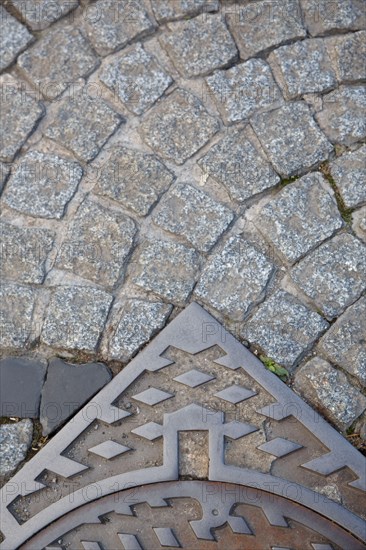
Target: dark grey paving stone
<point>169,11</point>
<point>24,252</point>
<point>17,303</point>
<point>322,17</point>
<point>111,25</point>
<point>83,124</point>
<point>136,78</point>
<point>260,26</point>
<point>21,385</point>
<point>291,138</point>
<point>14,38</point>
<point>15,130</point>
<point>67,388</point>
<point>42,184</point>
<point>284,328</point>
<point>40,14</point>
<point>328,389</point>
<point>200,45</point>
<point>333,275</point>
<point>178,127</point>
<point>15,441</point>
<point>57,60</point>
<point>347,53</point>
<point>300,217</point>
<point>349,174</point>
<point>340,117</point>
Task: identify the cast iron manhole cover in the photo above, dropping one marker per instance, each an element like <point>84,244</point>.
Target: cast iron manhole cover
<point>193,445</point>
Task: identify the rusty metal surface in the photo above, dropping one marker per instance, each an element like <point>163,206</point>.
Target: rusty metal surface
<point>241,426</point>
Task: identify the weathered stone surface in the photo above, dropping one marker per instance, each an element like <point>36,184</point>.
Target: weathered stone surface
<point>57,60</point>
<point>133,178</point>
<point>243,90</point>
<point>21,385</point>
<point>235,278</point>
<point>349,174</point>
<point>291,139</point>
<point>15,130</point>
<point>67,388</point>
<point>179,127</point>
<point>40,14</point>
<point>303,68</point>
<point>260,26</point>
<point>284,328</point>
<point>15,441</point>
<point>138,321</point>
<point>4,172</point>
<point>329,391</point>
<point>75,317</point>
<point>322,16</point>
<point>98,244</point>
<point>136,78</point>
<point>344,343</point>
<point>347,53</point>
<point>16,310</point>
<point>192,214</point>
<point>24,252</point>
<point>14,38</point>
<point>333,275</point>
<point>111,25</point>
<point>300,217</point>
<point>168,11</point>
<point>43,184</point>
<point>340,116</point>
<point>168,269</point>
<point>199,45</point>
<point>83,124</point>
<point>359,223</point>
<point>236,163</point>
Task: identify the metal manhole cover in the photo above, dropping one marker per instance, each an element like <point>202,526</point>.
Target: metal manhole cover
<point>193,445</point>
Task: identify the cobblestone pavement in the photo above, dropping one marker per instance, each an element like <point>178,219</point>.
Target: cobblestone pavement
<point>159,152</point>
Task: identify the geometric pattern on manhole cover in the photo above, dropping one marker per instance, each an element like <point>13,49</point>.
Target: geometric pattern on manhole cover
<point>193,445</point>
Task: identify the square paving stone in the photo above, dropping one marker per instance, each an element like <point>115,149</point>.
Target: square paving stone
<point>111,25</point>
<point>235,278</point>
<point>24,252</point>
<point>21,385</point>
<point>324,16</point>
<point>168,11</point>
<point>138,321</point>
<point>341,116</point>
<point>16,311</point>
<point>83,124</point>
<point>291,139</point>
<point>348,53</point>
<point>344,343</point>
<point>192,214</point>
<point>178,127</point>
<point>333,275</point>
<point>97,244</point>
<point>300,217</point>
<point>349,174</point>
<point>40,14</point>
<point>243,90</point>
<point>14,130</point>
<point>42,184</point>
<point>14,38</point>
<point>260,26</point>
<point>303,68</point>
<point>15,442</point>
<point>236,163</point>
<point>133,178</point>
<point>168,269</point>
<point>284,328</point>
<point>136,78</point>
<point>200,45</point>
<point>329,390</point>
<point>57,60</point>
<point>76,317</point>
